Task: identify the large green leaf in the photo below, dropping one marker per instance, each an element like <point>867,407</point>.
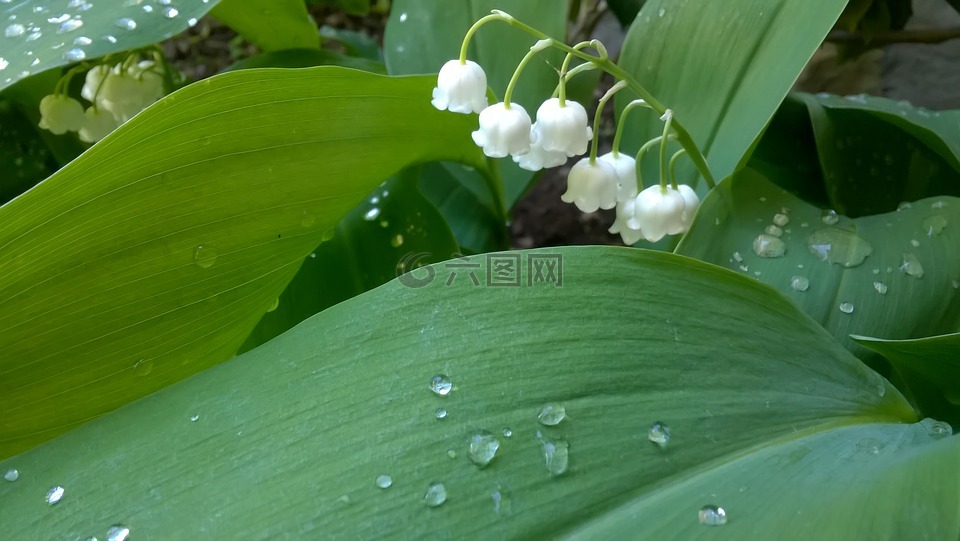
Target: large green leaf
<point>723,67</point>
<point>39,36</point>
<point>290,438</point>
<point>155,253</point>
<point>270,24</point>
<point>889,275</point>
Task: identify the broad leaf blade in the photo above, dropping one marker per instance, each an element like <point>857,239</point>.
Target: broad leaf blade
<point>165,243</point>
<point>271,25</point>
<point>300,428</point>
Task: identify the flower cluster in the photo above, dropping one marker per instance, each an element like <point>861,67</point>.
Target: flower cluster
<point>561,131</point>
<point>116,93</point>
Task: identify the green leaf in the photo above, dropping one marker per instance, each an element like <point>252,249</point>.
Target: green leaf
<point>858,263</point>
<point>393,228</point>
<point>497,47</point>
<point>930,368</point>
<point>299,429</point>
<point>723,67</point>
<point>270,24</point>
<point>40,36</point>
<point>876,153</point>
<point>464,199</point>
<point>625,10</point>
<point>166,242</point>
<point>305,58</point>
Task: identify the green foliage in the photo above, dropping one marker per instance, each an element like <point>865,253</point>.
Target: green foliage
<point>270,24</point>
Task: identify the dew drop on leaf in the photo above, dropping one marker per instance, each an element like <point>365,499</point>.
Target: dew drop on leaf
<point>829,217</point>
<point>436,495</point>
<point>143,367</point>
<point>551,414</point>
<point>556,456</point>
<point>54,495</point>
<point>118,532</point>
<point>204,256</point>
<point>659,433</point>
<point>384,481</point>
<point>483,448</point>
<point>441,385</point>
<point>799,283</point>
<point>846,307</point>
<point>11,475</point>
<point>768,246</point>
<point>712,515</point>
<point>911,266</point>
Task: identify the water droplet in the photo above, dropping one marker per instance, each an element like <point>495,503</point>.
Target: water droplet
<point>384,481</point>
<point>274,305</point>
<point>507,432</point>
<point>662,12</point>
<point>934,225</point>
<point>204,256</point>
<point>441,385</point>
<point>54,495</point>
<point>328,234</point>
<point>403,17</point>
<point>556,456</point>
<point>938,429</point>
<point>937,205</point>
<point>768,246</point>
<point>372,214</point>
<point>396,241</point>
<point>147,8</point>
<point>781,219</point>
<point>191,22</point>
<point>170,12</point>
<point>659,433</point>
<point>880,287</point>
<point>773,230</point>
<point>70,25</point>
<point>799,283</point>
<point>440,413</point>
<point>436,495</point>
<point>906,205</point>
<point>846,307</point>
<point>14,30</point>
<point>126,23</point>
<point>829,217</point>
<point>143,367</point>
<point>58,20</point>
<point>307,219</point>
<point>118,532</point>
<point>915,243</point>
<point>870,446</point>
<point>384,223</point>
<point>483,448</point>
<point>194,418</point>
<point>110,38</point>
<point>712,515</point>
<point>737,257</point>
<point>838,246</point>
<point>82,41</point>
<point>11,475</point>
<point>74,55</point>
<point>33,36</point>
<point>911,265</point>
<point>551,414</point>
<point>451,453</point>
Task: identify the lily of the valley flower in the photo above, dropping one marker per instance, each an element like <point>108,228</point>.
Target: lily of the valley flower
<point>658,212</point>
<point>127,92</point>
<point>626,168</point>
<point>691,204</point>
<point>461,88</point>
<point>538,158</point>
<point>97,124</point>
<point>591,186</point>
<point>503,130</point>
<point>60,114</point>
<point>563,128</point>
<point>625,211</point>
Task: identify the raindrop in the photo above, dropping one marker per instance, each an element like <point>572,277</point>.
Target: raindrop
<point>659,433</point>
<point>441,385</point>
<point>74,55</point>
<point>507,432</point>
<point>307,219</point>
<point>440,413</point>
<point>3,63</point>
<point>880,287</point>
<point>191,22</point>
<point>662,12</point>
<point>937,205</point>
<point>126,23</point>
<point>906,205</point>
<point>436,495</point>
<point>274,305</point>
<point>148,9</point>
<point>82,41</point>
<point>328,234</point>
<point>11,475</point>
<point>396,241</point>
<point>837,246</point>
<point>204,256</point>
<point>371,214</point>
<point>737,257</point>
<point>712,515</point>
<point>938,429</point>
<point>58,20</point>
<point>870,446</point>
<point>54,495</point>
<point>483,448</point>
<point>384,481</point>
<point>768,246</point>
<point>829,217</point>
<point>773,230</point>
<point>556,456</point>
<point>799,283</point>
<point>384,223</point>
<point>33,36</point>
<point>934,225</point>
<point>170,12</point>
<point>194,418</point>
<point>14,30</point>
<point>551,414</point>
<point>915,243</point>
<point>110,38</point>
<point>403,17</point>
<point>118,532</point>
<point>70,25</point>
<point>143,367</point>
<point>911,265</point>
<point>781,220</point>
<point>846,307</point>
<point>451,453</point>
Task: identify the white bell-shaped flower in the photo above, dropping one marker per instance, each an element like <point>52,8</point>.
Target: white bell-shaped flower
<point>60,114</point>
<point>658,212</point>
<point>93,80</point>
<point>625,211</point>
<point>626,168</point>
<point>563,128</point>
<point>591,186</point>
<point>691,204</point>
<point>503,131</point>
<point>97,123</point>
<point>538,158</point>
<point>461,88</point>
<point>127,92</point>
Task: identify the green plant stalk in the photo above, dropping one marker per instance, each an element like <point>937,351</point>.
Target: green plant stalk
<point>596,118</point>
<point>643,150</point>
<point>663,150</point>
<point>673,169</point>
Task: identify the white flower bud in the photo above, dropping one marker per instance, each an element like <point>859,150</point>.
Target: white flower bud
<point>60,114</point>
<point>625,211</point>
<point>591,186</point>
<point>93,80</point>
<point>97,123</point>
<point>461,88</point>
<point>626,168</point>
<point>658,212</point>
<point>691,204</point>
<point>538,158</point>
<point>503,131</point>
<point>563,128</point>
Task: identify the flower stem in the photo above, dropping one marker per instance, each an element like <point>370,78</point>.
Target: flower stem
<point>663,149</point>
<point>563,71</point>
<point>673,171</point>
<point>596,118</point>
<point>643,150</point>
<point>473,29</point>
<point>539,46</point>
<point>623,120</point>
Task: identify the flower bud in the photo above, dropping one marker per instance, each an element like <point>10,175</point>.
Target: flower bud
<point>461,88</point>
<point>563,128</point>
<point>60,114</point>
<point>503,131</point>
<point>591,186</point>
